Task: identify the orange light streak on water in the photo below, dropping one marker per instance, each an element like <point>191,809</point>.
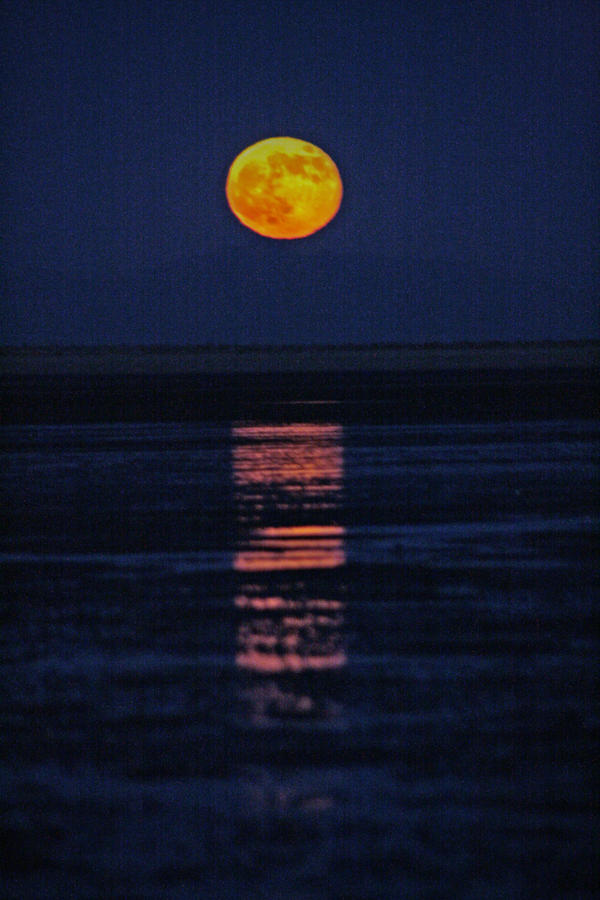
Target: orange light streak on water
<point>280,470</point>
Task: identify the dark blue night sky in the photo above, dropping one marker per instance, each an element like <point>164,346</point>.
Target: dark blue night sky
<point>465,133</point>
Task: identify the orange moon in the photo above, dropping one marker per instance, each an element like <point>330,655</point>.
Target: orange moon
<point>283,187</point>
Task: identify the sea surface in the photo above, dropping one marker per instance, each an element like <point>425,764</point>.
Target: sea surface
<point>310,657</point>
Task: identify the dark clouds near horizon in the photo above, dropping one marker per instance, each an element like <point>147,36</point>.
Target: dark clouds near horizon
<point>466,135</point>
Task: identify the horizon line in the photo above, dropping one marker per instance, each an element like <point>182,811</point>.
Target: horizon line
<point>253,347</point>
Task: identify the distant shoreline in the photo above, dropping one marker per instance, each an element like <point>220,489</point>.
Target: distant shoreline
<point>458,383</point>
<point>221,359</point>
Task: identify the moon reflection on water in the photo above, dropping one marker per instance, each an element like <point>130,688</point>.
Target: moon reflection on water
<point>288,482</point>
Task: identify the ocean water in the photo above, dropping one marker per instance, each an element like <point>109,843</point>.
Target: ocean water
<point>300,659</point>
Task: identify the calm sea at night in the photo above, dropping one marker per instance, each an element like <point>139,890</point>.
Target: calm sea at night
<point>316,657</point>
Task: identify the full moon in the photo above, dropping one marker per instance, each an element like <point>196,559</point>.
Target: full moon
<point>283,187</point>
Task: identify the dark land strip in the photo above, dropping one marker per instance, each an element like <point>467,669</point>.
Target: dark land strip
<point>406,384</point>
